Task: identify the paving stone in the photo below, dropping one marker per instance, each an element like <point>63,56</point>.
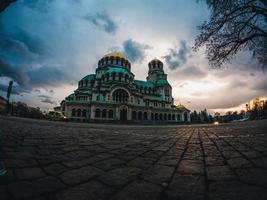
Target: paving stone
<point>55,169</point>
<point>3,193</point>
<point>236,191</point>
<point>191,167</point>
<point>239,163</point>
<point>29,173</point>
<point>91,190</point>
<point>188,183</point>
<point>120,176</point>
<point>109,164</point>
<point>139,190</point>
<point>141,162</point>
<point>80,175</point>
<point>177,195</point>
<point>158,174</point>
<point>253,176</point>
<point>19,163</point>
<point>216,173</point>
<point>26,189</point>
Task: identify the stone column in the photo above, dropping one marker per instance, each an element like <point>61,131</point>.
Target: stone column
<point>117,113</point>
<point>92,113</point>
<point>129,113</point>
<point>188,117</point>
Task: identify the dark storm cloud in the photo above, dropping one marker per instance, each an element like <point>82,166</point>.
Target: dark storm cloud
<point>177,57</point>
<point>103,21</point>
<point>15,89</point>
<point>260,85</point>
<point>190,72</point>
<point>18,74</point>
<point>134,50</point>
<point>47,76</point>
<point>47,99</point>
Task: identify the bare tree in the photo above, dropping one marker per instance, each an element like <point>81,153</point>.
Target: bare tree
<point>234,25</point>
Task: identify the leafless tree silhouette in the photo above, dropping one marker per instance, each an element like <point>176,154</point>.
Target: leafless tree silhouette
<point>234,25</point>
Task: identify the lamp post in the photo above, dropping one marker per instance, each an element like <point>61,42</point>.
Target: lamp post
<point>9,90</point>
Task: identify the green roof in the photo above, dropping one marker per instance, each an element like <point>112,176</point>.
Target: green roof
<point>84,91</point>
<point>117,70</point>
<point>89,77</point>
<point>152,97</point>
<point>162,82</point>
<point>70,96</point>
<point>144,83</point>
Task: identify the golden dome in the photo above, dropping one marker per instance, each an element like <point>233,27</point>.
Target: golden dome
<point>116,54</point>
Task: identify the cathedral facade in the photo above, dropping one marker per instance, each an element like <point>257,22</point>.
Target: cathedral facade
<point>112,93</point>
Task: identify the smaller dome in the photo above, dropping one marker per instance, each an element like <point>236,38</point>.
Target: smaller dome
<point>155,65</point>
<point>155,60</point>
<point>116,54</point>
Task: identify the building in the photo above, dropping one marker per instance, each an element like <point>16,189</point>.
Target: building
<point>3,103</point>
<point>112,93</point>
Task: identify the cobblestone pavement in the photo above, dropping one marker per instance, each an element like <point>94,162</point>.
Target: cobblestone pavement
<point>56,160</point>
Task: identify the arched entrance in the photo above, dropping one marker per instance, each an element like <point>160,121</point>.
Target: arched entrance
<point>123,114</point>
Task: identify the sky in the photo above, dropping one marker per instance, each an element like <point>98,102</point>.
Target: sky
<point>47,46</point>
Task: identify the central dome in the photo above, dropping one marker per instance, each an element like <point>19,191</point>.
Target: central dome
<point>114,59</point>
<point>116,54</point>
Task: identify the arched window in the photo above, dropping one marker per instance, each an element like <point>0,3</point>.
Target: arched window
<point>84,113</point>
<point>79,112</point>
<point>165,116</point>
<point>145,115</point>
<point>117,60</point>
<point>97,112</point>
<point>156,116</point>
<point>104,113</point>
<point>110,114</point>
<point>134,115</point>
<point>139,115</point>
<point>73,112</point>
<point>173,117</point>
<point>152,116</point>
<point>185,117</point>
<point>160,116</point>
<point>120,95</point>
<point>120,76</point>
<point>169,117</point>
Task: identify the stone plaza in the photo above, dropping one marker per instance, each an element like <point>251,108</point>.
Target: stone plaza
<point>68,161</point>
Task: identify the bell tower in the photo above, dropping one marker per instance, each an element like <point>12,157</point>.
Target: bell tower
<point>155,71</point>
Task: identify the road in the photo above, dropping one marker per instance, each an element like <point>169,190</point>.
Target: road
<point>66,161</point>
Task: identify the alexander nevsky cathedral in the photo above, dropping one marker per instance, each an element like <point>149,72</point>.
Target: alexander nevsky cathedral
<point>113,94</point>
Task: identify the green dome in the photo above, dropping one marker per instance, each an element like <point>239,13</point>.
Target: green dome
<point>89,77</point>
<point>117,70</point>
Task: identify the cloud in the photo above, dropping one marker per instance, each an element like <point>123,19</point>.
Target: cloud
<point>47,99</point>
<point>16,89</point>
<point>18,74</point>
<point>47,76</point>
<point>260,85</point>
<point>134,51</point>
<point>190,72</point>
<point>103,21</point>
<point>177,57</point>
